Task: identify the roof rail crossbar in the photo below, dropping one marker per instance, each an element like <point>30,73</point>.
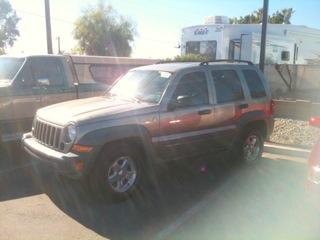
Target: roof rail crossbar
<point>226,60</point>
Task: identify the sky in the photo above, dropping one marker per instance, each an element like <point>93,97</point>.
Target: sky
<point>158,22</point>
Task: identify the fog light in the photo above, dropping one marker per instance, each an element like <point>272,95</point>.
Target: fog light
<point>81,148</point>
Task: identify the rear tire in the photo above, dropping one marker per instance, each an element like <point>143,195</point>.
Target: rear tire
<point>118,173</point>
<point>248,148</point>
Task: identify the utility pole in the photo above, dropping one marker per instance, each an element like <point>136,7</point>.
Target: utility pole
<point>59,50</point>
<point>263,34</point>
<point>48,26</point>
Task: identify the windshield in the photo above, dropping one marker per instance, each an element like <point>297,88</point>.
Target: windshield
<point>143,85</point>
<point>9,67</point>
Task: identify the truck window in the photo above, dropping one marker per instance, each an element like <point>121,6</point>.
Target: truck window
<point>9,67</point>
<point>228,86</point>
<point>193,85</point>
<point>254,83</point>
<point>25,80</point>
<point>50,72</point>
<point>108,73</point>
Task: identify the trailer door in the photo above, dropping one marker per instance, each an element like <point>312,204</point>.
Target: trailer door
<point>245,47</point>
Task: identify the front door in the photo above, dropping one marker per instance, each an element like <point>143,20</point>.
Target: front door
<point>186,124</point>
<point>20,106</point>
<point>49,73</point>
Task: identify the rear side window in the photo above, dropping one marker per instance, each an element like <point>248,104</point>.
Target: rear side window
<point>254,83</point>
<point>228,86</point>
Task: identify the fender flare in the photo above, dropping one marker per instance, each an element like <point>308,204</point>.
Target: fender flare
<point>251,117</point>
<point>101,137</point>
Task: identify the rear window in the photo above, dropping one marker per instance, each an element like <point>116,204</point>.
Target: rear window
<point>254,83</point>
<point>108,73</point>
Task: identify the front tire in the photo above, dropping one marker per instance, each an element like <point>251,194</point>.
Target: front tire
<point>118,173</point>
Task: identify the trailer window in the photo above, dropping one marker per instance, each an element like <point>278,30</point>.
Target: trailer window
<point>205,48</point>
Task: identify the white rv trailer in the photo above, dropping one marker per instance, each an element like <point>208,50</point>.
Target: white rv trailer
<point>218,39</point>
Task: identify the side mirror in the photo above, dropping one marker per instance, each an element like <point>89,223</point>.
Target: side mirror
<point>43,82</point>
<point>181,101</point>
<point>314,121</point>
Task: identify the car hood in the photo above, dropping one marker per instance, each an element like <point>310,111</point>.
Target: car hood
<point>89,109</point>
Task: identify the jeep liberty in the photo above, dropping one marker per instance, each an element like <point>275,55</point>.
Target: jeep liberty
<point>151,115</point>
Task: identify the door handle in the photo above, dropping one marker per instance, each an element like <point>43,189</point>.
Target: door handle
<point>243,106</point>
<point>204,112</point>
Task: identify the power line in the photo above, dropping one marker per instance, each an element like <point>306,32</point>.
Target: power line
<point>43,16</point>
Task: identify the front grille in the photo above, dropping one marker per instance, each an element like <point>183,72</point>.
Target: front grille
<point>47,134</point>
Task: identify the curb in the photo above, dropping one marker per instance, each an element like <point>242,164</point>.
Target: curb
<point>285,150</point>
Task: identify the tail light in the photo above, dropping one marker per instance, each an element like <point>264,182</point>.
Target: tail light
<point>314,121</point>
<point>272,106</point>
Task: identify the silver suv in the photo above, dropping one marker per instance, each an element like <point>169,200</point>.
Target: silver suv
<point>151,115</point>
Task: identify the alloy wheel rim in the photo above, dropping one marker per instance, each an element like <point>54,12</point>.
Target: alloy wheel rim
<point>122,174</point>
<point>251,148</point>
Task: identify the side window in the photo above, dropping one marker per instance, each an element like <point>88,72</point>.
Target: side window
<point>47,72</point>
<point>192,90</point>
<point>254,83</point>
<point>24,79</point>
<point>228,86</point>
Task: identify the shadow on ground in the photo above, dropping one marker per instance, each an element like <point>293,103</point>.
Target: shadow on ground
<point>17,177</point>
<point>275,184</point>
<point>177,189</point>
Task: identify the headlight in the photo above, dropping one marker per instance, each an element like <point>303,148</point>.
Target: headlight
<point>71,133</point>
<point>34,123</point>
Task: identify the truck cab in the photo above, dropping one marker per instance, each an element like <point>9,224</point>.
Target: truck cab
<point>28,83</point>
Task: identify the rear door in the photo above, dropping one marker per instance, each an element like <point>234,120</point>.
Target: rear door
<point>230,102</point>
<point>257,90</point>
<point>186,127</point>
<point>49,74</point>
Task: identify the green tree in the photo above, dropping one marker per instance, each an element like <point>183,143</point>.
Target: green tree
<point>280,17</point>
<point>8,25</point>
<point>102,31</point>
<point>186,58</point>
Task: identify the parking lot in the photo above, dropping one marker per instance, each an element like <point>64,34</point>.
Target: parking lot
<point>223,201</point>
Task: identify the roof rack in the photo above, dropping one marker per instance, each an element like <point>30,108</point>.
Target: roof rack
<point>226,60</point>
<point>164,62</point>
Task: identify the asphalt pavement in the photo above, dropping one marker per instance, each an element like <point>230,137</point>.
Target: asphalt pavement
<point>210,199</point>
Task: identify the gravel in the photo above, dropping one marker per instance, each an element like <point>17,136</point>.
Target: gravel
<point>294,132</point>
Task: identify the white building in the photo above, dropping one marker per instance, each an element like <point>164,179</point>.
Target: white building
<point>218,39</point>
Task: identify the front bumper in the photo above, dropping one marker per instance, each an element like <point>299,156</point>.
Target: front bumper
<point>64,163</point>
